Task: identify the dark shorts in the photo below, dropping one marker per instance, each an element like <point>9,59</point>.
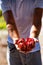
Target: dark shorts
<point>14,57</point>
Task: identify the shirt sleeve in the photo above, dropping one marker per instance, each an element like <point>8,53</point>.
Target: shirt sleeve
<point>39,3</point>
<point>5,5</point>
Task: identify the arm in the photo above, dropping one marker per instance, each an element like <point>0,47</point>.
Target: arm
<point>11,26</point>
<point>36,27</point>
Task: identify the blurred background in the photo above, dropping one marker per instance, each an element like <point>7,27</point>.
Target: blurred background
<point>3,39</point>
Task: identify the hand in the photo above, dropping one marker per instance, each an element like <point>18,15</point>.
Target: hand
<point>25,45</point>
<point>20,45</point>
<point>36,40</point>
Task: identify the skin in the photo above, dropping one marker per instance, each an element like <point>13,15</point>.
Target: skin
<point>12,29</point>
<point>11,26</point>
<point>36,27</point>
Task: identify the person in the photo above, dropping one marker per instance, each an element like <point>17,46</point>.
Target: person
<point>23,19</point>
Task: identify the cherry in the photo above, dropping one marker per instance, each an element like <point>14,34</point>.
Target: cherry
<point>20,41</point>
<point>22,46</point>
<point>30,43</point>
<point>26,44</point>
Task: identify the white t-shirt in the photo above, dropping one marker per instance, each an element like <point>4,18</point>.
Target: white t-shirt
<point>23,14</point>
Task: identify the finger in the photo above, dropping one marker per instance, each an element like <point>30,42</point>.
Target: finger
<point>17,47</point>
<point>36,40</point>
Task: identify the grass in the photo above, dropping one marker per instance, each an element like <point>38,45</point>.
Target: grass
<point>2,23</point>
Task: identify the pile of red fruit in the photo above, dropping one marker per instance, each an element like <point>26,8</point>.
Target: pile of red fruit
<point>30,44</point>
<point>26,44</point>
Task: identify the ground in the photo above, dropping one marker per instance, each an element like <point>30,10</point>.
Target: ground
<point>3,46</point>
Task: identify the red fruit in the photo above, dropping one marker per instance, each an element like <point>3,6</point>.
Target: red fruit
<point>26,44</point>
<point>27,39</point>
<point>30,40</point>
<point>20,41</point>
<point>30,43</point>
<point>22,46</point>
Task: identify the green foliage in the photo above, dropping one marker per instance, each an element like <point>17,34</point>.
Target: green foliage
<point>0,13</point>
<point>2,23</point>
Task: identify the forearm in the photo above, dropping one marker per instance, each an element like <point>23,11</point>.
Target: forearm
<point>12,31</point>
<point>11,25</point>
<point>35,31</point>
<point>36,26</point>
